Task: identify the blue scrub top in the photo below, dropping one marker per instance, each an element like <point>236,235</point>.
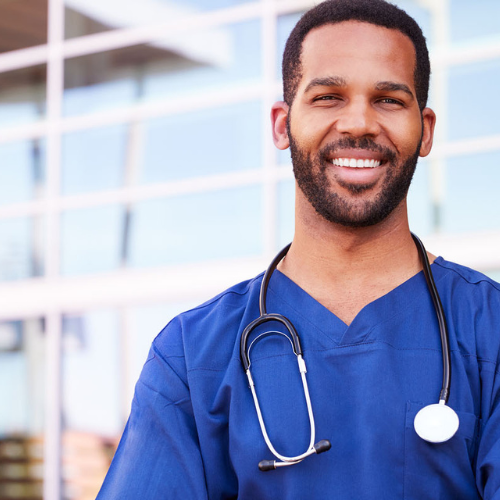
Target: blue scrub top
<point>193,432</point>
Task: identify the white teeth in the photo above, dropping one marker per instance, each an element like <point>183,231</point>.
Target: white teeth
<point>354,163</point>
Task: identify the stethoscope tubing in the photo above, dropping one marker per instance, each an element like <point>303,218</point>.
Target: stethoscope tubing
<point>294,339</point>
<point>310,449</point>
<point>267,277</point>
<point>297,349</point>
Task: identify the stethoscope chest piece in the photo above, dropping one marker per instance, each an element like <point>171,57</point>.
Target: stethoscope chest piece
<point>436,423</point>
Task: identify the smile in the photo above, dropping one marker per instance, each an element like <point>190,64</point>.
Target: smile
<point>355,163</point>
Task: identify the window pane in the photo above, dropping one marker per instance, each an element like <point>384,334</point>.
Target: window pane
<point>22,171</point>
<point>23,96</point>
<point>286,212</point>
<point>285,25</point>
<point>92,405</point>
<point>23,23</point>
<point>422,15</point>
<point>21,248</point>
<point>197,227</point>
<point>94,159</point>
<point>474,19</point>
<point>79,22</point>
<point>84,17</point>
<point>420,206</point>
<point>203,142</point>
<point>217,58</point>
<point>92,240</point>
<point>22,368</point>
<point>214,59</point>
<point>474,108</point>
<point>472,202</point>
<point>283,156</point>
<point>495,275</point>
<point>91,372</point>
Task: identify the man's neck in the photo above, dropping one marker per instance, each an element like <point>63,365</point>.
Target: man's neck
<point>347,268</point>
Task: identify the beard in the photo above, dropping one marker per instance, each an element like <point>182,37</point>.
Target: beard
<point>312,176</point>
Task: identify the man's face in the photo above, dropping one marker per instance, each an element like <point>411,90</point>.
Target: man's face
<point>355,129</point>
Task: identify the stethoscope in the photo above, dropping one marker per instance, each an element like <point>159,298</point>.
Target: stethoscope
<point>435,423</point>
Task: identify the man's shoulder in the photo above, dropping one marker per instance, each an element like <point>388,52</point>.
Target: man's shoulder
<point>471,302</point>
<point>460,274</point>
<point>234,296</point>
<point>212,324</point>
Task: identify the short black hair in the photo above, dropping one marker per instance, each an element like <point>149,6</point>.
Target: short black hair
<point>377,12</point>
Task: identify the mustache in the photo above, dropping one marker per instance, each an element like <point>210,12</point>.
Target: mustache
<point>363,143</point>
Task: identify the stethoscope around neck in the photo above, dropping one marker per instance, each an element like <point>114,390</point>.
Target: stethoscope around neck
<point>435,423</point>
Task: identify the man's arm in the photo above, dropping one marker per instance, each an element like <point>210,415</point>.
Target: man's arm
<point>488,458</point>
<point>158,455</point>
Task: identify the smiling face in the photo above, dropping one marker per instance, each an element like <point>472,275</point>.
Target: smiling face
<point>355,129</point>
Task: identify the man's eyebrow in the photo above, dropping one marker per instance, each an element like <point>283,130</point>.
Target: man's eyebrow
<point>393,87</point>
<point>327,81</point>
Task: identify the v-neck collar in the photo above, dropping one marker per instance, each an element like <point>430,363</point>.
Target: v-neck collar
<point>289,299</point>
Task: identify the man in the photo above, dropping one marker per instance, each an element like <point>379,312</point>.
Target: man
<point>356,76</point>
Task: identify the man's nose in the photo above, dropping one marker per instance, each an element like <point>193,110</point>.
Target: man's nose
<point>358,118</point>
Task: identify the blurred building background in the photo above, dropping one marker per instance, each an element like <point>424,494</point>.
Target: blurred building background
<point>138,178</point>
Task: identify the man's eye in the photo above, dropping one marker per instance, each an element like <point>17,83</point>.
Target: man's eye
<point>389,100</point>
<point>325,98</point>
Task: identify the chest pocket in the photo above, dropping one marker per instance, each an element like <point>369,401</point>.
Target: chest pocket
<point>443,471</point>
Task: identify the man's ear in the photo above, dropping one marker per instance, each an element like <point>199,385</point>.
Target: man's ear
<point>428,123</point>
<point>279,116</point>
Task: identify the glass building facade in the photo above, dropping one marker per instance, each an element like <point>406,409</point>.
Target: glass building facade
<point>138,178</point>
